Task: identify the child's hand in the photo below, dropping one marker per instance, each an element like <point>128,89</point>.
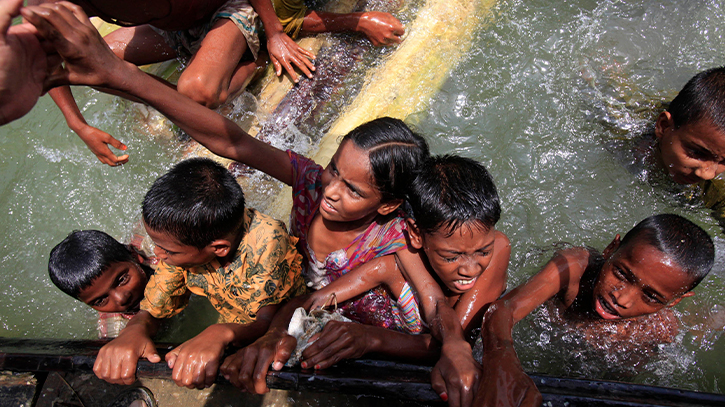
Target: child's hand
<point>455,376</point>
<point>88,60</point>
<point>338,341</point>
<point>23,64</point>
<point>195,362</point>
<point>283,52</point>
<point>247,369</point>
<point>116,362</point>
<point>381,28</point>
<point>504,382</point>
<point>98,141</point>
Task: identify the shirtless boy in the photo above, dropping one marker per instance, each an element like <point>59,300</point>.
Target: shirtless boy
<point>654,267</point>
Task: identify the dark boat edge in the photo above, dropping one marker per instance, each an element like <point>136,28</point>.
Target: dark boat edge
<point>359,377</point>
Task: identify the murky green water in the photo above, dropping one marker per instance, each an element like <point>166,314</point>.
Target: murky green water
<point>530,102</point>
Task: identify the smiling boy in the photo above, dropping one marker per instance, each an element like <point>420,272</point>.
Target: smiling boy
<point>95,268</point>
<point>654,267</point>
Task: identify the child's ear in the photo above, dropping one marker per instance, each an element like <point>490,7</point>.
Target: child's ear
<point>388,207</point>
<point>138,257</point>
<point>221,247</point>
<point>678,299</point>
<point>612,247</point>
<point>416,238</point>
<point>664,124</point>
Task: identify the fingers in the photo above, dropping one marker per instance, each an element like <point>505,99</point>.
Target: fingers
<point>8,10</point>
<point>121,371</point>
<point>438,384</point>
<point>115,143</point>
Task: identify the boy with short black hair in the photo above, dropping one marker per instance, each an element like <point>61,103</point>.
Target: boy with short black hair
<point>95,268</point>
<point>691,132</point>
<point>209,244</point>
<point>654,267</point>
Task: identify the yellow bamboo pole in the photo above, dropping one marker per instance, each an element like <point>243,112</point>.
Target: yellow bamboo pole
<point>435,42</point>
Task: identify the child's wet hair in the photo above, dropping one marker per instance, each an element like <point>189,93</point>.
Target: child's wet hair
<point>680,239</point>
<point>451,191</point>
<point>702,98</point>
<point>82,257</point>
<point>196,202</point>
<point>395,153</point>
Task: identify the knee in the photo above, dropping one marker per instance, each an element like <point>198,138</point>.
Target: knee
<point>117,47</point>
<point>199,90</point>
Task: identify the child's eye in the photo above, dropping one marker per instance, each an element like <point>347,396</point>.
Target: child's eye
<point>650,297</point>
<point>123,279</point>
<point>484,253</point>
<point>450,259</point>
<point>99,302</point>
<point>697,154</point>
<point>619,273</point>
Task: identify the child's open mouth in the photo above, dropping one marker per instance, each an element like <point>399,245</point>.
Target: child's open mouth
<point>604,309</point>
<point>464,285</point>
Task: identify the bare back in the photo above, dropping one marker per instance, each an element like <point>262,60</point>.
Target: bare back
<point>163,14</point>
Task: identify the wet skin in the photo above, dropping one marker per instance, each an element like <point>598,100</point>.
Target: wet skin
<point>460,257</point>
<point>118,289</point>
<point>691,153</point>
<point>638,279</point>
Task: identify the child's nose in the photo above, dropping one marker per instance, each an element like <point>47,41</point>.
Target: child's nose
<point>160,254</point>
<point>707,171</point>
<point>624,297</point>
<point>122,297</point>
<point>332,190</point>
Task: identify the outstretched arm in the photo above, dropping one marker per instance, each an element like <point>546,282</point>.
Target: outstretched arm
<point>96,140</point>
<point>89,61</point>
<point>504,381</point>
<point>283,51</point>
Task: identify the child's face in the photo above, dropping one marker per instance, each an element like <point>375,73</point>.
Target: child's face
<point>118,289</point>
<point>458,259</point>
<point>637,279</point>
<point>691,153</point>
<point>349,192</point>
<point>172,252</point>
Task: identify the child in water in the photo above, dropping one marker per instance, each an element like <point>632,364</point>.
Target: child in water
<point>344,209</point>
<point>93,267</point>
<point>691,132</point>
<point>653,268</point>
<point>454,207</point>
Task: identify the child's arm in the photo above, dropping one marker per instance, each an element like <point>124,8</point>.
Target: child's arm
<point>341,340</point>
<point>283,51</point>
<point>351,340</point>
<point>116,361</point>
<point>456,374</point>
<point>96,140</point>
<point>195,362</point>
<point>504,382</point>
<point>89,61</point>
<point>488,288</point>
<point>247,368</point>
<point>380,271</point>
